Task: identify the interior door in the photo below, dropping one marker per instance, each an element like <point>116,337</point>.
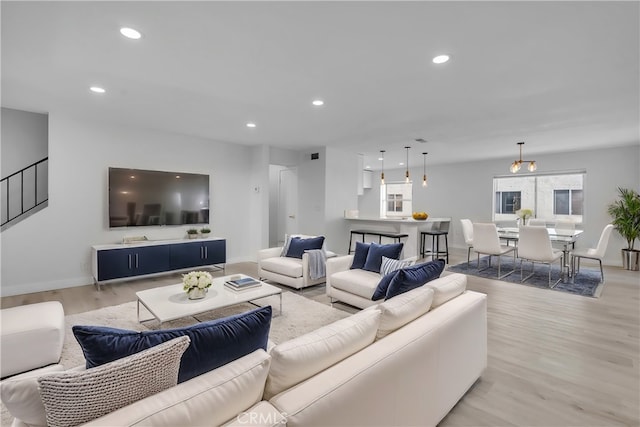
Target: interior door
<point>287,203</point>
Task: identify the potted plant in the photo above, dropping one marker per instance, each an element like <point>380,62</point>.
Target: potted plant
<point>626,220</point>
<point>192,233</point>
<point>205,231</point>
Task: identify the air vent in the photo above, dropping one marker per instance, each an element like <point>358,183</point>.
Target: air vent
<point>315,156</point>
<point>420,140</point>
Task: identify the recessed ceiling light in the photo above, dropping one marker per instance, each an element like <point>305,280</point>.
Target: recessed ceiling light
<point>130,33</point>
<point>440,59</point>
<point>318,102</point>
<point>251,125</point>
<point>401,163</point>
<point>97,89</point>
<point>380,158</point>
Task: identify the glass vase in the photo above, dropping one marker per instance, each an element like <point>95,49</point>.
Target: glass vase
<point>197,293</point>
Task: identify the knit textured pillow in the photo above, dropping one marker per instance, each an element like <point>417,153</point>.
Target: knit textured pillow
<point>72,398</point>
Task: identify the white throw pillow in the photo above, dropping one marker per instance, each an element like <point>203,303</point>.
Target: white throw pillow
<point>300,358</point>
<point>21,396</point>
<point>390,265</point>
<point>72,398</point>
<point>402,309</point>
<point>447,287</point>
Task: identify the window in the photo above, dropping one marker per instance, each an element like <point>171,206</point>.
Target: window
<point>395,200</point>
<point>507,202</point>
<point>550,196</point>
<point>567,202</point>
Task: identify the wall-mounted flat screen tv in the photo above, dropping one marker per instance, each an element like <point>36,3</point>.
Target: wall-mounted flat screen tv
<point>151,198</point>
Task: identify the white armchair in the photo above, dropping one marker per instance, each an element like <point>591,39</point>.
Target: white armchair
<point>294,272</point>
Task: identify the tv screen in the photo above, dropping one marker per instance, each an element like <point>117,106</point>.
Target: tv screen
<point>146,198</point>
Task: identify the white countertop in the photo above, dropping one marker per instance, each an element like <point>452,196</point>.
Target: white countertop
<point>402,220</point>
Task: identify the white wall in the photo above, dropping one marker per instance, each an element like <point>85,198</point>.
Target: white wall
<point>24,139</point>
<point>465,190</point>
<point>341,193</point>
<point>311,191</point>
<point>51,250</point>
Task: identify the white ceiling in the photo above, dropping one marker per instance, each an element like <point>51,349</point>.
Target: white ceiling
<point>558,75</point>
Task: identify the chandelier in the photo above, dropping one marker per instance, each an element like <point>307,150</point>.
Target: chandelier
<point>516,165</point>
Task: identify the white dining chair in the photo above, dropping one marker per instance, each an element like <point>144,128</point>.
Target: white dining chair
<point>596,253</point>
<point>537,222</point>
<point>562,224</point>
<point>467,232</point>
<point>534,245</point>
<point>487,242</point>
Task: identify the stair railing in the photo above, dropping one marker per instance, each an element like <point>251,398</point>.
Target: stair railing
<point>8,200</point>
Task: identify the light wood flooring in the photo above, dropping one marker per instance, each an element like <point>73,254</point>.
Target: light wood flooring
<point>554,359</point>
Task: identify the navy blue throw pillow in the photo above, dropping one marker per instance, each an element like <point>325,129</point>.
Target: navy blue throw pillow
<point>383,286</point>
<point>415,276</point>
<point>297,246</point>
<point>360,256</point>
<point>213,343</point>
<point>376,252</point>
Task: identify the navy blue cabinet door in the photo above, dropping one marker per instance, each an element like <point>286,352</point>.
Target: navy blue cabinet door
<point>115,263</point>
<point>151,259</point>
<point>197,254</point>
<point>215,252</point>
<point>187,255</point>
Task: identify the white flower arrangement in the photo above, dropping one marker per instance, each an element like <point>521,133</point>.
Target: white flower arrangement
<point>196,279</point>
<point>524,213</point>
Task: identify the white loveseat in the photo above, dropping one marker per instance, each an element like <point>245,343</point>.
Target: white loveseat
<point>353,286</point>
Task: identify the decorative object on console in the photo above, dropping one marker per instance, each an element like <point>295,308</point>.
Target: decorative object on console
<point>516,165</point>
<point>213,343</point>
<point>192,233</point>
<point>205,231</point>
<point>196,284</point>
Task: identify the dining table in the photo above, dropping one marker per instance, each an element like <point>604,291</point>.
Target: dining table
<point>564,236</point>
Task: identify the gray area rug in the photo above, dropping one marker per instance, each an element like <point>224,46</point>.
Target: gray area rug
<point>299,316</point>
<point>586,283</point>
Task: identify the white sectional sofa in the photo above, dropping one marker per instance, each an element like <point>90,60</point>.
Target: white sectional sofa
<point>405,361</point>
<point>412,375</point>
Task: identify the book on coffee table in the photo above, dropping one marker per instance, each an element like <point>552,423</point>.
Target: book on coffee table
<point>242,284</point>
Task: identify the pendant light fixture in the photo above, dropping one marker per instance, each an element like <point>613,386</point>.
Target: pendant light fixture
<point>424,169</point>
<point>406,174</point>
<point>516,165</point>
<point>382,169</point>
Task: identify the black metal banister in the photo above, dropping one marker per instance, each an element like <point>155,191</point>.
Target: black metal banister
<point>22,191</point>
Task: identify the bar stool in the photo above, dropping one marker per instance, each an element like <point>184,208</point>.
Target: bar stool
<point>437,230</point>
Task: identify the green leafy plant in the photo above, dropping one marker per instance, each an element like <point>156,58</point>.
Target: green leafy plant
<point>205,230</point>
<point>192,231</point>
<point>626,215</point>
